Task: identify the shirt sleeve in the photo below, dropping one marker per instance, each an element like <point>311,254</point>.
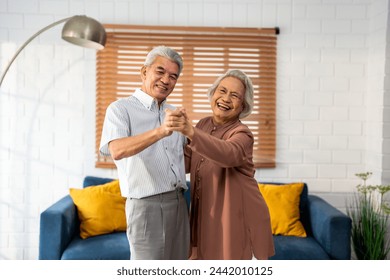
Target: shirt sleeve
<point>238,146</point>
<point>116,125</point>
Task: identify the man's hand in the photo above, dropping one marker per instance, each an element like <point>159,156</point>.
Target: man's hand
<point>178,120</point>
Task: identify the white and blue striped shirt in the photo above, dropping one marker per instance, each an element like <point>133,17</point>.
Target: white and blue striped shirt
<point>157,169</point>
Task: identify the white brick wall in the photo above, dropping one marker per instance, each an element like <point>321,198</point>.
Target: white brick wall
<point>332,101</point>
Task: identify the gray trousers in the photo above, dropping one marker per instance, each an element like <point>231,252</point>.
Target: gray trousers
<point>158,227</point>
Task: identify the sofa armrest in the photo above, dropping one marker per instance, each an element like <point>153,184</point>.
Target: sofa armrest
<point>330,227</point>
<point>58,224</point>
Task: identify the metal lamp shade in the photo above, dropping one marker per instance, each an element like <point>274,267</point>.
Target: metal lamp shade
<point>79,30</point>
<point>84,31</point>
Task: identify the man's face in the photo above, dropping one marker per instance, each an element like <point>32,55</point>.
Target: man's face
<point>159,79</point>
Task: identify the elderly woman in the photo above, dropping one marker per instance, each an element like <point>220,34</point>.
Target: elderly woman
<point>229,217</point>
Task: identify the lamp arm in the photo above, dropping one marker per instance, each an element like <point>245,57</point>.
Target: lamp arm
<point>27,42</point>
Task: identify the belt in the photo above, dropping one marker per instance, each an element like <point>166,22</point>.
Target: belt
<point>166,195</point>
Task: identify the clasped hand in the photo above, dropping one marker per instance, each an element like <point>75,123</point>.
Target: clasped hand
<point>177,120</point>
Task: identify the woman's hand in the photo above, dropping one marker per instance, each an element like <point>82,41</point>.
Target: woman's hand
<point>178,120</point>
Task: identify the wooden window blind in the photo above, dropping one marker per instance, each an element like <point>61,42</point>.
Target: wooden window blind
<point>207,52</point>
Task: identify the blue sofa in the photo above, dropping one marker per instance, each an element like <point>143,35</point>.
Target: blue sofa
<point>328,231</point>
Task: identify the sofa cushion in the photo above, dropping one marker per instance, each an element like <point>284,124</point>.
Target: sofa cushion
<point>283,202</point>
<point>297,248</point>
<point>113,246</point>
<point>94,181</point>
<point>101,209</point>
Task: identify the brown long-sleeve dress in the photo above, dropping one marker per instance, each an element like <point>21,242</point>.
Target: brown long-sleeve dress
<point>229,217</point>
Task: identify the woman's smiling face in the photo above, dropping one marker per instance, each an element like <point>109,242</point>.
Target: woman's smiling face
<point>227,101</point>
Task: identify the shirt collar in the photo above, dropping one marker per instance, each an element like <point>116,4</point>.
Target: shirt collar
<point>229,123</point>
<point>146,100</point>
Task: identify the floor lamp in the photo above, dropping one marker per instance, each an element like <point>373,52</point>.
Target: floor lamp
<point>79,30</point>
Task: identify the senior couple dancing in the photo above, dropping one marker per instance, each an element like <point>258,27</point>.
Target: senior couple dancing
<point>154,145</point>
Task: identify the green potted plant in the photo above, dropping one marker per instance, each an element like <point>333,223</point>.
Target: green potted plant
<point>369,214</point>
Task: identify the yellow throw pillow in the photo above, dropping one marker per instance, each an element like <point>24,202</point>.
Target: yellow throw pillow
<point>101,209</point>
<point>283,204</point>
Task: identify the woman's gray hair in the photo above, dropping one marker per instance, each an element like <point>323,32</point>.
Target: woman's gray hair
<point>246,81</point>
<point>166,52</point>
